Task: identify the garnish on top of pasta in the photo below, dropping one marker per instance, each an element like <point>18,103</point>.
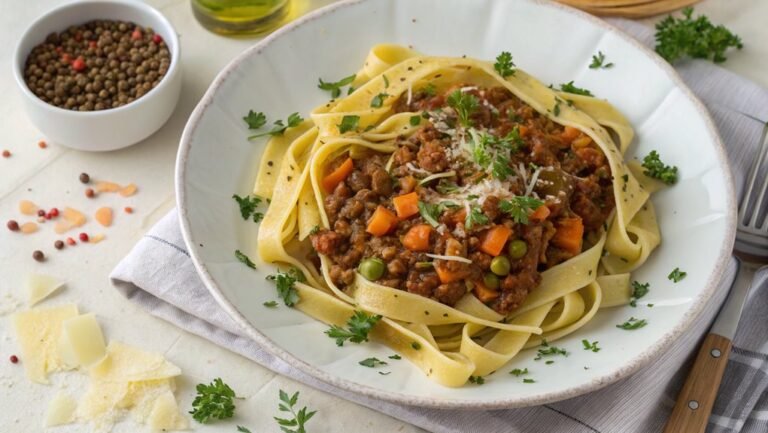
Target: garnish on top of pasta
<point>476,210</point>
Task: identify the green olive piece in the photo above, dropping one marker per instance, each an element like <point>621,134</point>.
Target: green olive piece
<point>372,268</point>
<point>491,281</point>
<point>500,266</point>
<point>517,249</point>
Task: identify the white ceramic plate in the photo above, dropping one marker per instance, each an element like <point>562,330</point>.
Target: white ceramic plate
<point>279,76</point>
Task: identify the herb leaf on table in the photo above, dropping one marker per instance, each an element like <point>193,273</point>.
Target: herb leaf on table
<point>697,38</point>
<point>213,401</point>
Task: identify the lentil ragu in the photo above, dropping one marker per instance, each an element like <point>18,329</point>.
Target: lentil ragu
<point>510,152</point>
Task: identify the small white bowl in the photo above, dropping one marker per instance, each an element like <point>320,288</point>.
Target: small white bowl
<point>113,128</point>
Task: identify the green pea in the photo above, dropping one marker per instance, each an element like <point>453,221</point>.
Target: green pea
<point>517,248</point>
<point>500,266</point>
<point>371,269</point>
<point>491,281</point>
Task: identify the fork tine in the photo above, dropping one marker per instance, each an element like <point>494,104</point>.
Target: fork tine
<point>754,173</point>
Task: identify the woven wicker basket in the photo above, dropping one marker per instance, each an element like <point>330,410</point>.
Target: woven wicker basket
<point>629,8</point>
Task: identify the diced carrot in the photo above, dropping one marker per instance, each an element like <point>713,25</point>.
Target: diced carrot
<point>540,214</point>
<point>523,130</point>
<point>337,176</point>
<point>494,240</point>
<point>485,294</point>
<point>569,134</point>
<point>569,234</point>
<point>406,205</point>
<point>581,142</point>
<point>381,222</point>
<point>448,276</point>
<point>417,238</point>
<point>459,216</point>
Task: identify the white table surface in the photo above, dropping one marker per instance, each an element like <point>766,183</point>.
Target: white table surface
<point>49,178</point>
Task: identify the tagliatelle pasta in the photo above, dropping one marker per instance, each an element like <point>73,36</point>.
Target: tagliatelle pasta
<point>473,253</point>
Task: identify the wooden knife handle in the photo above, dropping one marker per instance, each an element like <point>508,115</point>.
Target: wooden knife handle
<point>695,401</point>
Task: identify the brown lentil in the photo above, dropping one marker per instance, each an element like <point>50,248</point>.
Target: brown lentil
<point>58,244</point>
<point>38,255</point>
<point>98,65</point>
<point>85,178</point>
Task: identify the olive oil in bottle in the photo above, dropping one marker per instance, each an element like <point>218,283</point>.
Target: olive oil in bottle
<point>240,17</point>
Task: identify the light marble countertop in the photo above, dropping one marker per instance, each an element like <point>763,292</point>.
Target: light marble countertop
<point>49,177</point>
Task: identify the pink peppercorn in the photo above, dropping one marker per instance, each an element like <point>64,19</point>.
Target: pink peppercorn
<point>14,359</point>
<point>157,38</point>
<point>71,241</point>
<point>83,237</point>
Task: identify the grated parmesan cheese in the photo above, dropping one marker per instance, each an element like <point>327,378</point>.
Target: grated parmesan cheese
<point>449,258</point>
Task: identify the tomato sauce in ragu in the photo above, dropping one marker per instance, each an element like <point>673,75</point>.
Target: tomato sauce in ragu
<point>482,198</point>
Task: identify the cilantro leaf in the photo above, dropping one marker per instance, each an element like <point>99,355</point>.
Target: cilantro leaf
<point>504,65</point>
<point>244,259</point>
<point>335,87</point>
<point>248,205</point>
<point>676,275</point>
<point>294,120</point>
<point>213,401</point>
<point>358,327</point>
<point>597,62</point>
<point>348,123</point>
<point>372,362</point>
<point>475,217</point>
<point>300,418</point>
<point>378,100</point>
<point>632,324</point>
<point>655,168</point>
<point>638,291</point>
<point>697,38</point>
<point>570,88</point>
<point>255,119</point>
<point>465,105</point>
<point>285,285</point>
<point>590,346</point>
<point>519,207</point>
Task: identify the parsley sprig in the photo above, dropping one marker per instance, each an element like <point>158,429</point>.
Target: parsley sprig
<point>655,168</point>
<point>255,119</point>
<point>372,362</point>
<point>475,216</point>
<point>213,401</point>
<point>697,38</point>
<point>248,206</point>
<point>638,291</point>
<point>335,87</point>
<point>519,207</point>
<point>676,275</point>
<point>294,120</point>
<point>632,324</point>
<point>569,87</point>
<point>358,327</point>
<point>244,259</point>
<point>348,123</point>
<point>597,62</point>
<point>590,346</point>
<point>285,285</point>
<point>298,420</point>
<point>465,105</point>
<point>504,64</point>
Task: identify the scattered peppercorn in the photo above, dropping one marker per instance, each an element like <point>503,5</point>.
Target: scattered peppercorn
<point>58,244</point>
<point>14,359</point>
<point>83,237</point>
<point>89,193</point>
<point>128,209</point>
<point>84,178</point>
<point>98,65</point>
<point>71,241</point>
<point>42,144</point>
<point>38,255</point>
<point>13,225</point>
<point>6,154</point>
<point>41,213</point>
<point>54,212</point>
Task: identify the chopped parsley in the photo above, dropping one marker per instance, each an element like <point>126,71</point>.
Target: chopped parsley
<point>475,216</point>
<point>314,230</point>
<point>676,275</point>
<point>244,259</point>
<point>384,373</point>
<point>548,350</point>
<point>213,401</point>
<point>335,88</point>
<point>590,346</point>
<point>429,89</point>
<point>348,123</point>
<point>285,285</point>
<point>372,362</point>
<point>656,169</point>
<point>296,423</point>
<point>478,380</point>
<point>697,38</point>
<point>378,100</point>
<point>465,105</point>
<point>518,372</point>
<point>597,62</point>
<point>415,345</point>
<point>415,120</point>
<point>430,212</point>
<point>518,207</point>
<point>529,381</point>
<point>446,187</point>
<point>632,324</point>
<point>294,120</point>
<point>638,291</point>
<point>570,88</point>
<point>270,304</point>
<point>386,80</point>
<point>248,205</point>
<point>255,119</point>
<point>556,108</point>
<point>504,64</point>
<point>242,429</point>
<point>358,327</point>
<point>501,169</point>
<point>395,356</point>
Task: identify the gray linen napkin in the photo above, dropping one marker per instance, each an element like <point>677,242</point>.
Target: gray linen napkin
<point>159,275</point>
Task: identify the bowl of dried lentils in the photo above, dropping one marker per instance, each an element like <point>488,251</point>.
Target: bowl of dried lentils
<point>99,75</point>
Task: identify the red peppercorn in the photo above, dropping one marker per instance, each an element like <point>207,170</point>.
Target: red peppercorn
<point>59,49</point>
<point>41,213</point>
<point>13,225</point>
<point>66,58</point>
<point>79,64</point>
<point>79,36</point>
<point>42,144</point>
<point>89,192</point>
<point>6,154</point>
<point>92,44</point>
<point>48,216</point>
<point>157,38</point>
<point>14,359</point>
<point>128,209</point>
<point>136,35</point>
<point>54,212</point>
<point>71,241</point>
<point>83,237</point>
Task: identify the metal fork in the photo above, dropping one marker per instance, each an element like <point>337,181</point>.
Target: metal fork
<point>695,401</point>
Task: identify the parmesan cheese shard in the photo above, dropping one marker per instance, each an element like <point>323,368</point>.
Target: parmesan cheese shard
<point>38,332</point>
<point>61,410</point>
<point>86,342</point>
<point>165,414</point>
<point>41,286</point>
<point>125,363</point>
